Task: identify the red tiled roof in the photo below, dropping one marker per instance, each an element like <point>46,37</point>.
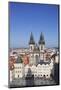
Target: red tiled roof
<point>26,60</point>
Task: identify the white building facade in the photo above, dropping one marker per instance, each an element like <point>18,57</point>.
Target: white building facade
<point>18,70</point>
<point>41,70</point>
<point>38,65</point>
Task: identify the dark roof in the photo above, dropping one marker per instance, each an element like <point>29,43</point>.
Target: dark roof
<point>41,41</point>
<point>11,67</point>
<point>42,62</point>
<point>19,60</point>
<point>54,55</point>
<point>31,39</point>
<point>14,52</point>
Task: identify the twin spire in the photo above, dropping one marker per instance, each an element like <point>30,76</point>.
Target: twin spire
<point>31,39</point>
<point>41,40</point>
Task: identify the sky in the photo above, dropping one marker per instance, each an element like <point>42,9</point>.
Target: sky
<point>25,18</point>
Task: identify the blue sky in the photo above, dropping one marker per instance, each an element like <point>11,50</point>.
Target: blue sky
<point>35,18</point>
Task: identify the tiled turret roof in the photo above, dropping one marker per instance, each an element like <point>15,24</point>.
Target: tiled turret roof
<point>41,41</point>
<point>31,39</point>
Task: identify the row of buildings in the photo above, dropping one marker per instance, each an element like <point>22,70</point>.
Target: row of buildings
<point>41,70</point>
<point>35,60</point>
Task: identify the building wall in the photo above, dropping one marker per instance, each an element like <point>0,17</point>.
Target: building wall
<point>57,59</point>
<point>39,70</point>
<point>11,75</point>
<point>41,47</point>
<point>41,56</point>
<point>26,69</point>
<point>34,70</point>
<point>31,59</point>
<point>36,58</point>
<point>19,70</point>
<point>43,70</point>
<point>31,47</point>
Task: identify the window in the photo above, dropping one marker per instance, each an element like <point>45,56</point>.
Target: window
<point>31,47</point>
<point>41,47</point>
<point>16,71</point>
<point>44,75</point>
<point>18,76</point>
<point>38,75</point>
<point>35,75</point>
<point>18,67</point>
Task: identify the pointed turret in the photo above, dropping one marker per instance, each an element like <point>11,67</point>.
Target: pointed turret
<point>31,42</point>
<point>42,41</point>
<point>31,39</point>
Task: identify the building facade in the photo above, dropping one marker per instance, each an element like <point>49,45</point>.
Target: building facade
<point>34,59</point>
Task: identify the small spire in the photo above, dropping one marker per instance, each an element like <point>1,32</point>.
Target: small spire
<point>31,39</point>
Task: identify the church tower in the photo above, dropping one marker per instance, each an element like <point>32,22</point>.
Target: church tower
<point>41,42</point>
<point>31,42</point>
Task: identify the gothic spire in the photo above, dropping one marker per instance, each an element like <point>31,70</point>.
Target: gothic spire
<point>31,39</point>
<point>41,41</point>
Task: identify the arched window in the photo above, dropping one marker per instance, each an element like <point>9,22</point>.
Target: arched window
<point>31,47</point>
<point>18,76</point>
<point>41,47</point>
<point>37,59</point>
<point>44,75</point>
